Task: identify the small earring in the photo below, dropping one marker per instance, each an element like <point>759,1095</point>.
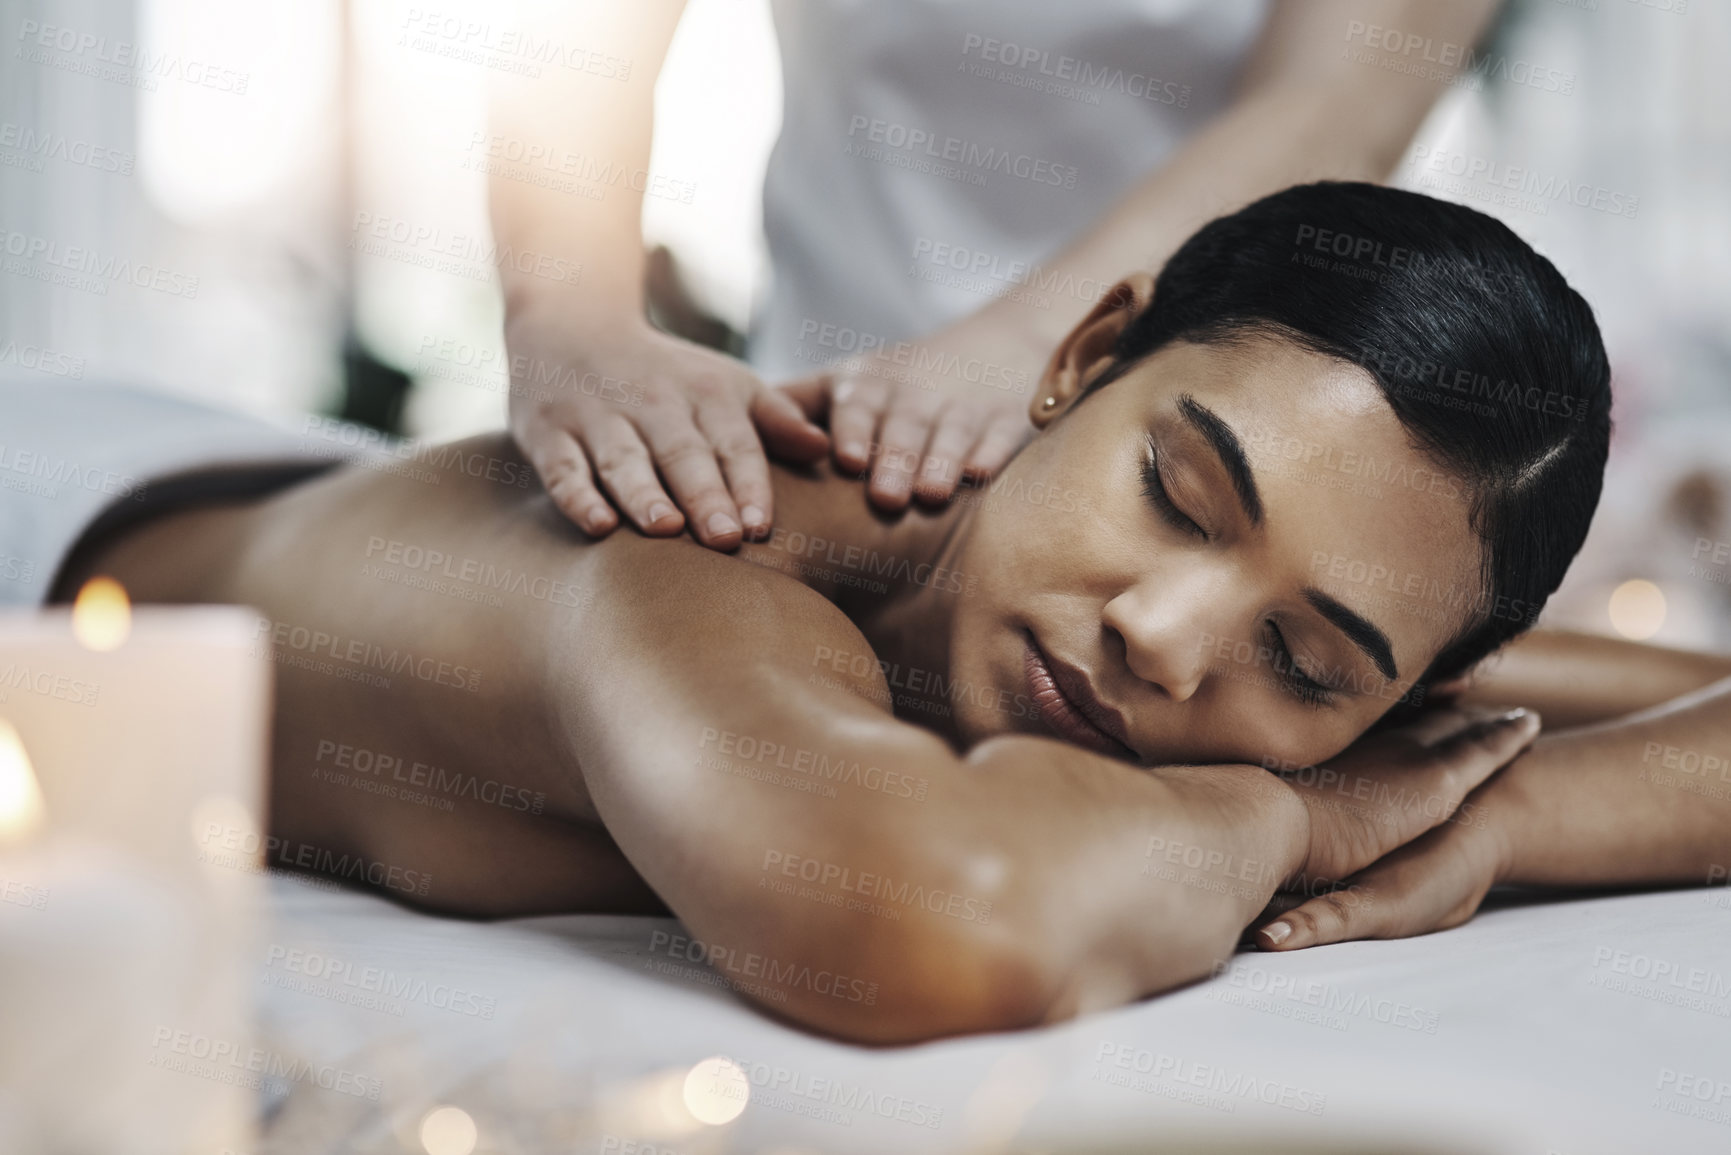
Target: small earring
<point>1049,403</point>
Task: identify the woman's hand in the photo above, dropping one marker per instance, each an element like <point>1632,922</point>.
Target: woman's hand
<point>916,442</point>
<point>1387,790</point>
<point>1432,883</point>
<point>618,410</point>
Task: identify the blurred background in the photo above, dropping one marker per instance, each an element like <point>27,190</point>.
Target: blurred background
<point>222,175</point>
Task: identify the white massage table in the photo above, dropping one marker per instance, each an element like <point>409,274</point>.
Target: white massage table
<point>1573,1026</point>
<point>1581,1026</point>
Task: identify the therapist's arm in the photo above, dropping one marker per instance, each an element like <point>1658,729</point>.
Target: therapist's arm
<point>616,417</point>
<point>1307,108</point>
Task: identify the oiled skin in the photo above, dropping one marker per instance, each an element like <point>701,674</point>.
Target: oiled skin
<point>301,558</point>
<point>536,673</point>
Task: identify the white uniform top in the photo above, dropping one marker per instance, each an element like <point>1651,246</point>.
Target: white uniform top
<point>933,152</point>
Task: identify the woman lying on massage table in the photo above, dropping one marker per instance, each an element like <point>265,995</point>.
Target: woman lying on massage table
<point>1009,761</point>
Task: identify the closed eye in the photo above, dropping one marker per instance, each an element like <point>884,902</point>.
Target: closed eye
<point>1154,488</point>
<point>1297,683</point>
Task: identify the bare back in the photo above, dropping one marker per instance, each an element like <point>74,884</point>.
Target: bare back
<point>418,620</point>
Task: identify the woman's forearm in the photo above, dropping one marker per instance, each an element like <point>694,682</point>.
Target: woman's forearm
<point>1643,799</point>
<point>1145,878</point>
<point>797,828</point>
<point>1574,679</point>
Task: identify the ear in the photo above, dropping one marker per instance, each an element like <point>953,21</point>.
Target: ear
<point>1086,352</point>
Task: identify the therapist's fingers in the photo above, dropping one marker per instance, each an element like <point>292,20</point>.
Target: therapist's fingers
<point>1003,435</point>
<point>812,395</point>
<point>686,458</point>
<point>786,419</point>
<point>564,471</point>
<point>856,408</point>
<point>735,444</point>
<point>906,430</point>
<point>956,429</point>
<point>623,463</point>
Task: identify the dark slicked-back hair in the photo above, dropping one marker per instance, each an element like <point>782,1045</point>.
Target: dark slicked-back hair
<point>1492,363</point>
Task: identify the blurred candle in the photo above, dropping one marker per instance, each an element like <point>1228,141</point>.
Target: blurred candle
<point>125,957</point>
<point>21,813</point>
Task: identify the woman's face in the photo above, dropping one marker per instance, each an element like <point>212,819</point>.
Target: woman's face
<point>1230,554</point>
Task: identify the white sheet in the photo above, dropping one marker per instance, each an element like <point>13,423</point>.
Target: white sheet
<point>1576,1027</point>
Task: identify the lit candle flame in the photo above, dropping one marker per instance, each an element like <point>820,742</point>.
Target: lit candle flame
<point>102,615</point>
<point>21,808</point>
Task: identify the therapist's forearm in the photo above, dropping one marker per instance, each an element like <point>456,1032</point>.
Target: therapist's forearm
<point>1642,800</point>
<point>1304,112</point>
<point>571,124</point>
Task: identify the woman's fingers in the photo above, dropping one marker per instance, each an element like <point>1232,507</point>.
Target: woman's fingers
<point>1334,917</point>
<point>1390,789</point>
<point>1433,726</point>
<point>626,469</point>
<point>1475,752</point>
<point>1433,883</point>
<point>564,471</point>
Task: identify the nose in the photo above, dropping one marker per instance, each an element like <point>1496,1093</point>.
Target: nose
<point>1163,624</point>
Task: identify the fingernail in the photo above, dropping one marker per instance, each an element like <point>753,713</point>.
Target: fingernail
<point>852,449</point>
<point>753,516</point>
<point>1514,715</point>
<point>594,517</point>
<point>720,525</point>
<point>1277,932</point>
<point>659,511</point>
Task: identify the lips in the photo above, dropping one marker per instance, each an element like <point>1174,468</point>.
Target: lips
<point>1067,704</point>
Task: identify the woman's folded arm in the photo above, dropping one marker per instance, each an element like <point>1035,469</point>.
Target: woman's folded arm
<point>1573,679</point>
<point>1642,799</point>
<point>853,872</point>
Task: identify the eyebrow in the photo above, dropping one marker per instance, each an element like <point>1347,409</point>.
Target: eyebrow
<point>1227,447</point>
<point>1361,633</point>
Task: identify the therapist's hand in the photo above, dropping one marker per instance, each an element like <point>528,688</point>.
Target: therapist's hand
<point>619,418</point>
<point>925,415</point>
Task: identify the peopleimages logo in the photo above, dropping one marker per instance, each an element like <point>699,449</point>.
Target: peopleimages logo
<point>225,1061</point>
<point>771,1081</point>
<point>1025,66</point>
<point>870,131</point>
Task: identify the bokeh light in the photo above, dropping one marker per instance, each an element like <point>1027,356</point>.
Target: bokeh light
<point>102,615</point>
<point>1637,609</point>
<point>716,1091</point>
<point>448,1131</point>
